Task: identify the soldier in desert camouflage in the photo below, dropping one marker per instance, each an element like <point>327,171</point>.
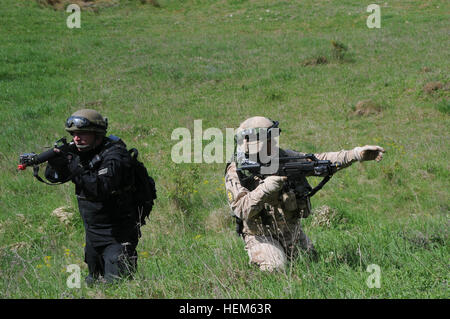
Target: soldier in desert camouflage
<point>269,217</point>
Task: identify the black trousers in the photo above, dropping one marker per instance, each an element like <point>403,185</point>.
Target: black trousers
<point>112,261</point>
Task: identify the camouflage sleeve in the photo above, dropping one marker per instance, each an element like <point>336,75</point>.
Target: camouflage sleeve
<point>346,158</point>
<point>244,203</point>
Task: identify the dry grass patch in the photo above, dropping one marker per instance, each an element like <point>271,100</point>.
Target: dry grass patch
<point>219,219</point>
<point>366,108</point>
<point>431,87</point>
<point>315,61</point>
<point>83,4</point>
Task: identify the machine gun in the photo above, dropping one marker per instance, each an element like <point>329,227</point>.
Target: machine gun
<point>295,168</point>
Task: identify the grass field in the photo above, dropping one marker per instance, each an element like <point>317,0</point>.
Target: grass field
<point>151,70</point>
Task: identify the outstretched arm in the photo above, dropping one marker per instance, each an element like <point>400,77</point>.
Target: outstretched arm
<point>361,154</point>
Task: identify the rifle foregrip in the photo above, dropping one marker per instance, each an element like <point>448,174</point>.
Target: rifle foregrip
<point>50,153</point>
<point>45,156</point>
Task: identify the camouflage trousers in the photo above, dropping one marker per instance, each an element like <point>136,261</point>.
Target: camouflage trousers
<point>272,253</point>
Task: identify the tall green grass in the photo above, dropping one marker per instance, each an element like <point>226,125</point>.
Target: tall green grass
<point>151,70</point>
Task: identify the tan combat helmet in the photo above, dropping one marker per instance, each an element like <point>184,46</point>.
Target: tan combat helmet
<point>87,120</point>
<point>253,134</point>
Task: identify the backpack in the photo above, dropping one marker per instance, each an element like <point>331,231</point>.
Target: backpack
<point>143,186</point>
<point>144,189</point>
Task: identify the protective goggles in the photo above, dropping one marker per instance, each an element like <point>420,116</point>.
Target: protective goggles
<point>255,133</point>
<point>80,122</point>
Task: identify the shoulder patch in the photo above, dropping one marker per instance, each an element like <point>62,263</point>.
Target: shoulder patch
<point>230,196</point>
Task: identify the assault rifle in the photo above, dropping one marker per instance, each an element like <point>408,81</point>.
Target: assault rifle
<point>33,159</point>
<point>295,168</point>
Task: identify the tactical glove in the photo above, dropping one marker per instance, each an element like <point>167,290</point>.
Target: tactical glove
<point>273,184</point>
<point>58,162</point>
<point>57,170</point>
<point>368,153</point>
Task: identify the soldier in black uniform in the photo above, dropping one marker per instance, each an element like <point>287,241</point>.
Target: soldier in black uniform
<point>101,169</point>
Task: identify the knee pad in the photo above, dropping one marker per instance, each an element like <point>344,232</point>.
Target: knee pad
<point>268,254</point>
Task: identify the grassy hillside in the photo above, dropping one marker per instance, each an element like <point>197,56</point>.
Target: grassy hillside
<point>151,70</point>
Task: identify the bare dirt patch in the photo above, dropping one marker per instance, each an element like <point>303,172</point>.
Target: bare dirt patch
<point>431,87</point>
<point>367,107</point>
<point>315,61</point>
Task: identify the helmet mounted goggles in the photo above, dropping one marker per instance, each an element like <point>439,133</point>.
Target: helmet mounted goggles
<point>82,123</point>
<point>254,134</point>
